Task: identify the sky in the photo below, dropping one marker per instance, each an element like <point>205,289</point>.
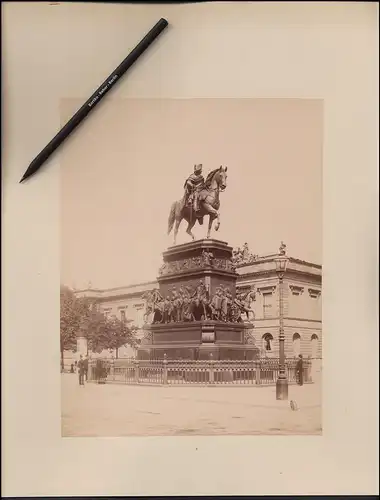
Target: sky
<point>125,166</point>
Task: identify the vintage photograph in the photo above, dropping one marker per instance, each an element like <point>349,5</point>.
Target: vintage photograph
<point>191,269</point>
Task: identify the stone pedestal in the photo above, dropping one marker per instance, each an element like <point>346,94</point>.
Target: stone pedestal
<point>189,263</point>
<point>186,266</point>
<point>197,340</point>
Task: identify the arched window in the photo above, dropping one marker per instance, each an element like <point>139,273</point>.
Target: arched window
<point>296,344</point>
<point>314,345</point>
<point>267,341</point>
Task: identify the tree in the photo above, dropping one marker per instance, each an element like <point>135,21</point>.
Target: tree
<point>82,317</point>
<point>70,320</point>
<point>119,334</point>
<point>95,328</point>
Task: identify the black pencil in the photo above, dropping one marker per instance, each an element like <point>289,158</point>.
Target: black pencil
<point>95,98</point>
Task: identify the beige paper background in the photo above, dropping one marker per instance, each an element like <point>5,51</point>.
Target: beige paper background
<point>230,50</point>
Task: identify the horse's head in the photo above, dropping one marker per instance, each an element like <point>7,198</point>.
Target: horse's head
<point>222,177</point>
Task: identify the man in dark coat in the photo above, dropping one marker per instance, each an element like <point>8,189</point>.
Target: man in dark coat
<point>85,364</point>
<point>81,370</point>
<point>197,309</point>
<point>299,370</point>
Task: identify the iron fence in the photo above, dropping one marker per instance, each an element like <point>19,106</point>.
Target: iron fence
<point>182,372</point>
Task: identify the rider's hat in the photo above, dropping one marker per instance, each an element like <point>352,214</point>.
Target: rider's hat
<point>198,168</point>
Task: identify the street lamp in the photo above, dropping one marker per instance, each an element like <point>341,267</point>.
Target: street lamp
<point>282,381</point>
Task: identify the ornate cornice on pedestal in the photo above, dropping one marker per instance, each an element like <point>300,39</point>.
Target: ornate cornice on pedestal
<point>296,290</point>
<point>205,261</point>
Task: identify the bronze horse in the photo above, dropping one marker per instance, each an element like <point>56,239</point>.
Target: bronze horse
<point>208,201</point>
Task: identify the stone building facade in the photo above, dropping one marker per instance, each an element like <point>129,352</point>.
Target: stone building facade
<point>302,304</point>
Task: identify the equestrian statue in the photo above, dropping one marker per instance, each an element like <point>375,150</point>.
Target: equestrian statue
<point>201,198</point>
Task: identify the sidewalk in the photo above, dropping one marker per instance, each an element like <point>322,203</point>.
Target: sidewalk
<point>122,410</point>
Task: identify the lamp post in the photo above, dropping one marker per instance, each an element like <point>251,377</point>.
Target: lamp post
<point>282,381</point>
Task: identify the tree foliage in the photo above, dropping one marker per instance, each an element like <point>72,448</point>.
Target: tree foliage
<point>81,317</point>
<point>70,319</point>
<point>119,334</point>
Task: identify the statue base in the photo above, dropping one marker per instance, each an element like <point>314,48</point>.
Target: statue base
<point>198,341</point>
<point>201,267</point>
<point>207,260</point>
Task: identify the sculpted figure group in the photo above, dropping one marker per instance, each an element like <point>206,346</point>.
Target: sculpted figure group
<point>243,255</point>
<point>186,304</point>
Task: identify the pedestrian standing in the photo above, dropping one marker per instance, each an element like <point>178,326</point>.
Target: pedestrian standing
<point>299,370</point>
<point>81,370</point>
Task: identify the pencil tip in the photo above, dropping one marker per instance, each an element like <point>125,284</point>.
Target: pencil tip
<point>23,178</point>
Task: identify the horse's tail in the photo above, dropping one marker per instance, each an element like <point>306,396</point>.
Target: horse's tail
<point>172,217</point>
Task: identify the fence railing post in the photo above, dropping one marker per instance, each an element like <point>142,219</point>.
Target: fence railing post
<point>211,369</point>
<point>165,370</point>
<point>137,371</point>
<point>257,372</point>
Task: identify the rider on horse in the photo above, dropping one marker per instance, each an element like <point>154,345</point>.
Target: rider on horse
<point>193,185</point>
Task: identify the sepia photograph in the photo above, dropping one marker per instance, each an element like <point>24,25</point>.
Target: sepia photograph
<point>191,269</point>
<point>169,261</point>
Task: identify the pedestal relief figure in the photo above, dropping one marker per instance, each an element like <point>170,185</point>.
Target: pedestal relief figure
<point>207,258</point>
<point>244,300</point>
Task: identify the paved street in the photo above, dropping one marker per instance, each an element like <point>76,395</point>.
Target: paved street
<point>121,410</point>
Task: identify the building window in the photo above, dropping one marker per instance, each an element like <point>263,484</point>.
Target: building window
<point>314,346</point>
<point>267,300</point>
<point>296,344</point>
<point>267,342</point>
<point>314,293</point>
<point>122,315</point>
<point>267,306</point>
<point>107,313</point>
<point>296,290</point>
